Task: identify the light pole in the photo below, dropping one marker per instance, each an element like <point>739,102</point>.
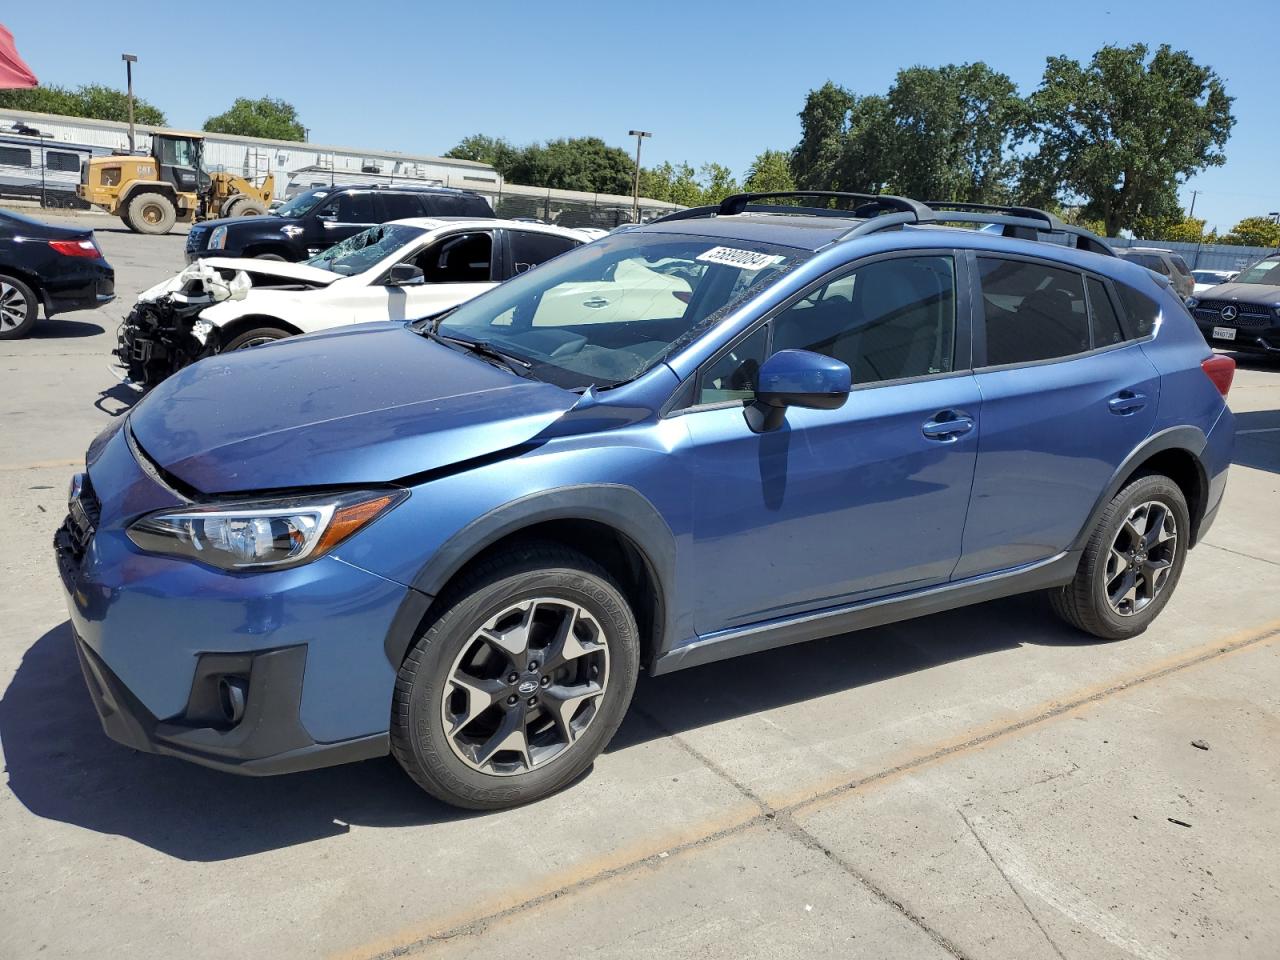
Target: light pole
<point>635,197</point>
<point>129,60</point>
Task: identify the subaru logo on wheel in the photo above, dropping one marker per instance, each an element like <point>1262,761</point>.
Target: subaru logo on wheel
<point>1229,312</point>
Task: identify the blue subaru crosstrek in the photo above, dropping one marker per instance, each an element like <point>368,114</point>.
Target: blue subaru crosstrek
<point>460,539</point>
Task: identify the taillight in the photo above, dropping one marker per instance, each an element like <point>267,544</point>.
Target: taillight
<point>1221,370</point>
<point>76,248</point>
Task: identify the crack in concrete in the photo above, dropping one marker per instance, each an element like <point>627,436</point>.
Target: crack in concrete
<point>786,813</point>
<point>1240,553</point>
<point>1016,892</point>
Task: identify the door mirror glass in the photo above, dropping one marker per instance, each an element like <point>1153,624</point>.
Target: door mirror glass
<point>404,275</point>
<point>797,378</point>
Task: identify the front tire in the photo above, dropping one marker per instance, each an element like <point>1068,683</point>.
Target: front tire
<point>255,338</point>
<point>1132,562</point>
<point>18,308</point>
<point>521,681</point>
<point>152,213</point>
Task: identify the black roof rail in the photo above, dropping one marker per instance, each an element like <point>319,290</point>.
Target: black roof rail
<point>872,203</point>
<point>1042,221</point>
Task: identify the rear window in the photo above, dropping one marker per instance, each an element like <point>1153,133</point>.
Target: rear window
<point>1179,264</point>
<point>450,205</point>
<point>1103,318</point>
<point>1140,312</point>
<point>1032,311</point>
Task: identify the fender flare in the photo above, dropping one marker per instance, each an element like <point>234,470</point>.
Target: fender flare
<point>619,507</point>
<point>1188,439</point>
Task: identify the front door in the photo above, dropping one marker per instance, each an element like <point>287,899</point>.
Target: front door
<point>339,217</point>
<point>837,505</point>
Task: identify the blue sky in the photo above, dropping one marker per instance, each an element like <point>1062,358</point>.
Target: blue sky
<point>713,81</point>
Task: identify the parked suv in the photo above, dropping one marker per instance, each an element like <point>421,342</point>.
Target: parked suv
<point>461,539</point>
<point>318,219</point>
<point>1245,313</point>
<point>1164,262</point>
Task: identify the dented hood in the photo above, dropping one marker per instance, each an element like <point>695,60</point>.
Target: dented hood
<point>275,268</point>
<point>367,404</point>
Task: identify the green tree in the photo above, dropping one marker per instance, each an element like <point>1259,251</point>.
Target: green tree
<point>577,163</point>
<point>674,183</point>
<point>1120,133</point>
<point>1253,232</point>
<point>769,173</point>
<point>952,135</point>
<point>90,100</point>
<point>265,117</point>
<point>498,153</point>
<point>717,183</point>
<point>824,124</point>
<point>1183,230</point>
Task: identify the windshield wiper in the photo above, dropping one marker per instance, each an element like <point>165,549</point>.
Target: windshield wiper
<point>480,348</point>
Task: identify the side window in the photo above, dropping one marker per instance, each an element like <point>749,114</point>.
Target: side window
<point>1180,265</point>
<point>1032,311</point>
<point>399,206</point>
<point>15,156</point>
<point>61,160</point>
<point>461,258</point>
<point>888,320</point>
<point>1140,312</point>
<point>1104,321</point>
<point>350,208</point>
<point>733,375</point>
<point>528,249</point>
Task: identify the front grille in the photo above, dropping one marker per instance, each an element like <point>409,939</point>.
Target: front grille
<point>1247,311</point>
<point>1214,315</point>
<point>195,239</point>
<point>72,538</point>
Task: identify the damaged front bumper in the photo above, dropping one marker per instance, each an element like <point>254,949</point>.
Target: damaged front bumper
<point>159,338</point>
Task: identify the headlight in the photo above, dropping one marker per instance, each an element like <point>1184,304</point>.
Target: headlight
<point>264,533</point>
<point>1191,303</point>
<point>218,238</point>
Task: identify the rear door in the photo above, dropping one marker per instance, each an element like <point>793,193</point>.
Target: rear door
<point>1065,399</point>
<point>398,206</point>
<point>343,215</point>
<point>527,249</point>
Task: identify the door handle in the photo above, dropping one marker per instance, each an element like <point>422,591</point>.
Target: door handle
<point>947,425</point>
<point>595,302</point>
<point>1126,402</point>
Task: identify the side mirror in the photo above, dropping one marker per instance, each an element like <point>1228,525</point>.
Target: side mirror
<point>405,275</point>
<point>797,378</point>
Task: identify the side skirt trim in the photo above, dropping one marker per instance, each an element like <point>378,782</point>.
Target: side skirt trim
<point>1053,572</point>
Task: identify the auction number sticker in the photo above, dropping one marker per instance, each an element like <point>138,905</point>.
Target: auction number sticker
<point>742,259</point>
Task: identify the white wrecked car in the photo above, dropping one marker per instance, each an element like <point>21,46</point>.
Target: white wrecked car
<point>400,270</point>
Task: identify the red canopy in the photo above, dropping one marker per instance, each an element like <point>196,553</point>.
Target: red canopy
<point>13,72</point>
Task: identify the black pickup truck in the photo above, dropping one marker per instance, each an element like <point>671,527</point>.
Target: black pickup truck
<point>316,220</point>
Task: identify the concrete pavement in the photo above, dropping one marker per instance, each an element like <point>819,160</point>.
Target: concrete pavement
<point>985,783</point>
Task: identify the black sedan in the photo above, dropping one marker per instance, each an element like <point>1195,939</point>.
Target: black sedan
<point>61,268</point>
<point>1243,315</point>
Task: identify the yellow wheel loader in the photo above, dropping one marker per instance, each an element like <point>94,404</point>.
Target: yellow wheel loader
<point>151,194</point>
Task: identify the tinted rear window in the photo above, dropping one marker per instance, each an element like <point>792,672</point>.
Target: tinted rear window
<point>1032,311</point>
<point>1140,312</point>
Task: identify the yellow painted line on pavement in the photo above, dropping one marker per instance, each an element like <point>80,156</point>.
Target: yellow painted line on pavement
<point>597,869</point>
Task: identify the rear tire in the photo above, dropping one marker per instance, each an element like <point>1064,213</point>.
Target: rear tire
<point>1132,562</point>
<point>152,213</point>
<point>255,338</point>
<point>19,308</point>
<point>247,207</point>
<point>475,721</point>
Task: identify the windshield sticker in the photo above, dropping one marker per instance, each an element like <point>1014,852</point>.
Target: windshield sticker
<point>742,259</point>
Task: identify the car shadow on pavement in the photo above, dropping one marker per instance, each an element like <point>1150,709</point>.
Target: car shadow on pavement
<point>1258,440</point>
<point>709,694</point>
<point>61,765</point>
<point>60,329</point>
<point>117,400</point>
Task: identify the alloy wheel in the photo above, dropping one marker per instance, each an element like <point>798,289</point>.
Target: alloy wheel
<point>1141,557</point>
<point>525,686</point>
<point>13,307</point>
